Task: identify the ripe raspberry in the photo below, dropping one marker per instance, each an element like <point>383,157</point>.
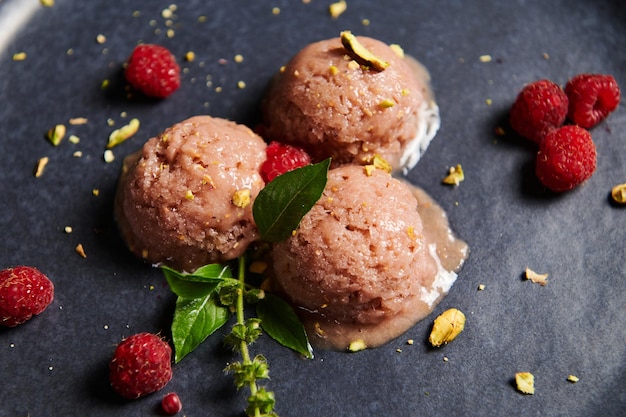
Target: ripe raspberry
<point>153,70</point>
<point>141,365</point>
<point>591,98</point>
<point>538,109</point>
<point>171,404</point>
<point>566,158</point>
<point>282,158</point>
<point>24,292</point>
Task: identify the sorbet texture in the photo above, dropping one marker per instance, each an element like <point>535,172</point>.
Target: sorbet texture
<point>185,199</point>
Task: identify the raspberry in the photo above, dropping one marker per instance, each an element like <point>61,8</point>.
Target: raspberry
<point>538,109</point>
<point>566,158</point>
<point>282,158</point>
<point>591,98</point>
<point>152,70</point>
<point>24,292</point>
<point>171,404</point>
<point>141,365</point>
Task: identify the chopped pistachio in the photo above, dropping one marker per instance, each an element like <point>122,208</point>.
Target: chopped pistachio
<point>365,22</point>
<point>405,92</point>
<point>108,156</point>
<point>238,58</point>
<point>47,3</point>
<point>337,8</point>
<point>100,38</point>
<point>105,84</point>
<point>95,192</point>
<point>19,56</point>
<point>78,121</point>
<point>190,56</point>
<point>77,154</point>
<point>381,163</point>
<point>525,382</point>
<point>68,229</point>
<point>572,378</point>
<point>541,279</point>
<point>455,175</point>
<point>447,327</point>
<point>189,195</point>
<point>80,250</point>
<point>241,85</point>
<point>481,287</point>
<point>361,54</point>
<point>73,139</point>
<point>123,133</point>
<point>410,342</point>
<point>241,198</point>
<point>485,58</point>
<point>56,134</point>
<point>386,103</point>
<point>353,65</point>
<point>357,345</point>
<point>369,170</point>
<point>397,49</point>
<point>333,70</point>
<point>41,165</point>
<point>275,11</point>
<point>618,193</point>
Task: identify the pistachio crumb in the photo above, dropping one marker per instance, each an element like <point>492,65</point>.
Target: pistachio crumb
<point>73,139</point>
<point>95,192</point>
<point>573,379</point>
<point>19,56</point>
<point>481,287</point>
<point>80,250</point>
<point>100,38</point>
<point>353,65</point>
<point>381,163</point>
<point>410,342</point>
<point>337,8</point>
<point>525,382</point>
<point>275,11</point>
<point>241,198</point>
<point>241,85</point>
<point>369,170</point>
<point>357,346</point>
<point>447,327</point>
<point>445,359</point>
<point>397,49</point>
<point>365,22</point>
<point>56,134</point>
<point>455,175</point>
<point>75,121</point>
<point>361,54</point>
<point>489,102</point>
<point>541,279</point>
<point>405,92</point>
<point>105,84</point>
<point>41,166</point>
<point>485,58</point>
<point>108,156</point>
<point>189,195</point>
<point>618,193</point>
<point>333,70</point>
<point>77,154</point>
<point>190,56</point>
<point>238,58</point>
<point>68,229</point>
<point>47,3</point>
<point>123,133</point>
<point>399,350</point>
<point>386,103</point>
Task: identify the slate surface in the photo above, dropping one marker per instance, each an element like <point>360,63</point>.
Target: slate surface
<point>57,363</point>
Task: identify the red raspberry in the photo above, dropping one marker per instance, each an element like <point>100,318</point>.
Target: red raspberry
<point>152,70</point>
<point>538,109</point>
<point>171,404</point>
<point>141,364</point>
<point>566,158</point>
<point>282,158</point>
<point>591,98</point>
<point>24,292</point>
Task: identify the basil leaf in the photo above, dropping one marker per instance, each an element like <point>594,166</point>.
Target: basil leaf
<point>198,284</point>
<point>283,202</point>
<point>195,320</point>
<point>282,324</point>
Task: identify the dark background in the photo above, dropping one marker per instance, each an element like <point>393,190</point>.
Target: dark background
<point>56,364</point>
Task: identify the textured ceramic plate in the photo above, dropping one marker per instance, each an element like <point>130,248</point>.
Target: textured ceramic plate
<point>57,363</point>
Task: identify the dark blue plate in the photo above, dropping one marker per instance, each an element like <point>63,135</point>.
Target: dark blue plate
<point>56,364</point>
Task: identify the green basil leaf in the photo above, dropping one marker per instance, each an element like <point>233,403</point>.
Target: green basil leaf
<point>198,284</point>
<point>282,324</point>
<point>195,320</point>
<point>283,202</point>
